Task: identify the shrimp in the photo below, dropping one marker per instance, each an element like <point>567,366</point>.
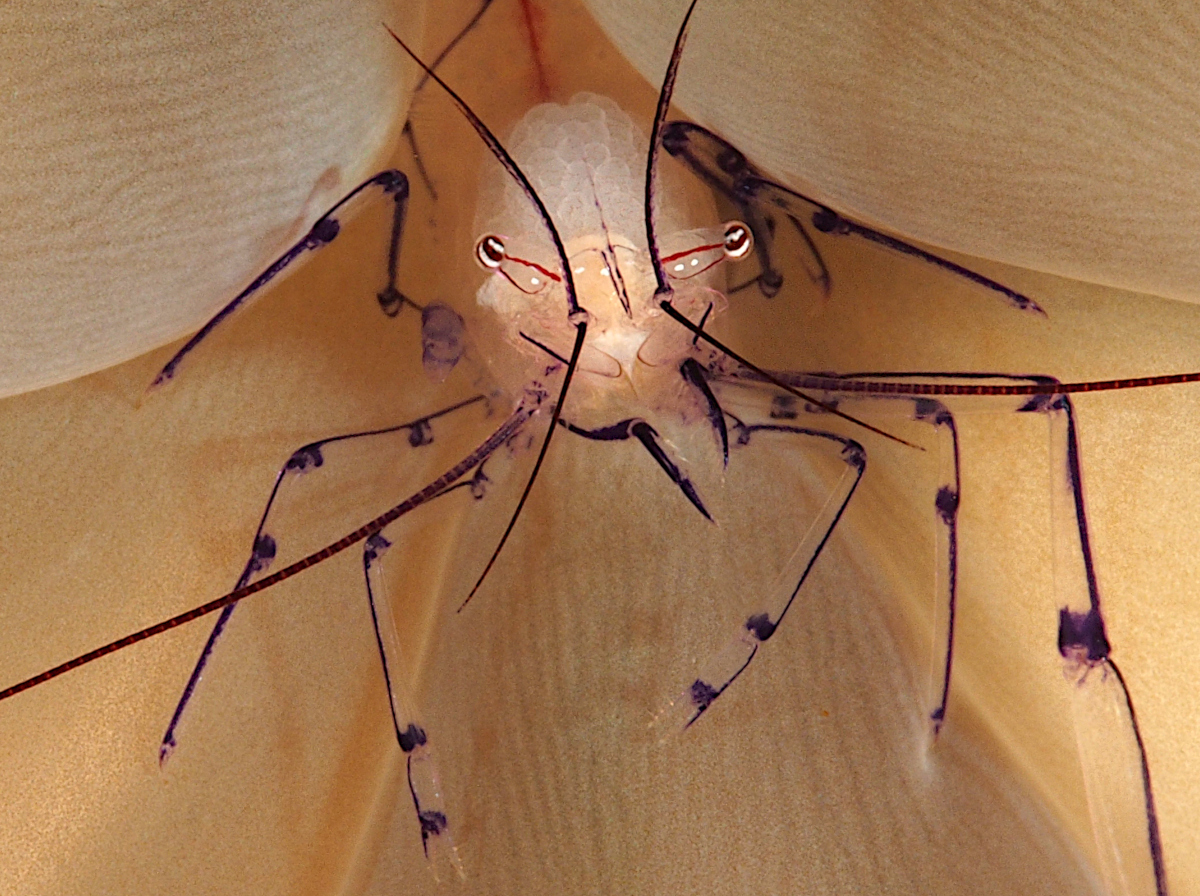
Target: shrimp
<point>538,696</point>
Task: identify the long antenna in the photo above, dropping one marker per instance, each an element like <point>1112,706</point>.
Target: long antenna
<point>502,156</point>
<point>660,116</point>
<point>664,291</point>
<point>576,314</point>
<point>767,375</point>
<point>885,387</point>
<point>580,333</point>
<point>507,430</point>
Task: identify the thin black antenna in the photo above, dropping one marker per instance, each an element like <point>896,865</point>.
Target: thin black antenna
<point>660,116</point>
<point>576,314</point>
<point>721,347</point>
<point>506,431</point>
<point>466,29</point>
<point>502,156</point>
<point>580,333</point>
<point>664,291</point>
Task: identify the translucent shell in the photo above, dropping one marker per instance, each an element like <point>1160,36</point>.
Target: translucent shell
<point>527,276</point>
<point>736,242</point>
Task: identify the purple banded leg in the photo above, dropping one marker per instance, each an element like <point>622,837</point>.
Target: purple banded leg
<point>1113,758</point>
<point>410,436</point>
<point>946,501</point>
<point>717,167</point>
<point>727,171</point>
<point>719,672</point>
<point>424,783</point>
<point>392,184</point>
<point>723,668</point>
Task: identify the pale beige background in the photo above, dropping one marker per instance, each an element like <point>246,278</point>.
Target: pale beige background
<point>1059,136</point>
<point>153,156</point>
<point>810,776</point>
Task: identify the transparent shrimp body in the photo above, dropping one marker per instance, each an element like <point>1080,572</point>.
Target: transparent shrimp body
<point>587,162</point>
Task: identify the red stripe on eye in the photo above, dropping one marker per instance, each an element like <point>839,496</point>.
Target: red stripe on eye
<point>686,252</point>
<point>535,266</point>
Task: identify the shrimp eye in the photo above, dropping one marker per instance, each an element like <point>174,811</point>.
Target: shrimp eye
<point>490,251</point>
<point>527,276</point>
<point>738,239</point>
